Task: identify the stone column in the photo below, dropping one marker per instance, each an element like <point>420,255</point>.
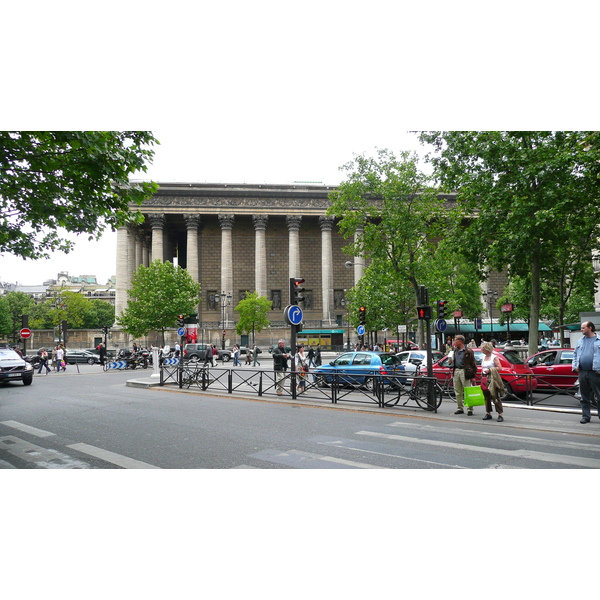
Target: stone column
<point>326,224</point>
<point>293,223</point>
<point>139,248</point>
<point>260,254</point>
<point>226,222</point>
<point>146,250</point>
<point>192,222</point>
<point>157,223</point>
<point>359,261</point>
<point>131,254</point>
<point>122,278</point>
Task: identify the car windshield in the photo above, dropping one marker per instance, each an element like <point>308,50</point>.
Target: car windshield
<point>390,359</point>
<point>513,357</point>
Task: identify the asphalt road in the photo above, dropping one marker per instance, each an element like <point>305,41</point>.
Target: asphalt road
<point>87,418</point>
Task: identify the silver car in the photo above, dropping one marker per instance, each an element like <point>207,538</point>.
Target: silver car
<point>414,360</point>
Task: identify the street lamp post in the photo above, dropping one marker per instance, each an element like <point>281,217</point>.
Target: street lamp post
<point>490,296</point>
<point>343,303</point>
<point>224,300</point>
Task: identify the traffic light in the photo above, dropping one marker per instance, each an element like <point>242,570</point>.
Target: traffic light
<point>105,329</point>
<point>180,321</point>
<point>362,315</point>
<point>192,319</point>
<point>441,309</point>
<point>24,321</point>
<point>424,312</point>
<point>296,290</point>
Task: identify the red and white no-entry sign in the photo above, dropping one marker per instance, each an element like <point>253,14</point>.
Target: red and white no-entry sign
<point>25,333</point>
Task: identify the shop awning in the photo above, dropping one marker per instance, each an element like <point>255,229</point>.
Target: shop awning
<point>497,328</point>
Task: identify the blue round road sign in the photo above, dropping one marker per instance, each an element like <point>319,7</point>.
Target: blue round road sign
<point>294,314</point>
<point>181,331</point>
<point>360,330</point>
<point>441,325</point>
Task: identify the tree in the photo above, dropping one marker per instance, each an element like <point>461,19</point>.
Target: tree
<point>19,304</point>
<point>5,318</point>
<point>101,313</point>
<point>158,294</point>
<point>400,216</point>
<point>71,180</point>
<point>527,195</point>
<point>253,311</point>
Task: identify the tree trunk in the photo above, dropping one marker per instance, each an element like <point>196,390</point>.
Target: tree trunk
<point>534,313</point>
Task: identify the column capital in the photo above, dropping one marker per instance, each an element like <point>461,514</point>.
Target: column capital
<point>260,221</point>
<point>192,221</point>
<point>226,221</point>
<point>293,222</point>
<point>326,223</point>
<point>157,221</point>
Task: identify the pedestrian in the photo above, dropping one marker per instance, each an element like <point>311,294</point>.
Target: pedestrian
<point>280,365</point>
<point>492,384</point>
<point>448,347</point>
<point>464,370</point>
<point>586,363</point>
<point>215,355</point>
<point>255,352</point>
<point>134,347</point>
<point>208,357</point>
<point>472,343</point>
<point>236,354</point>
<point>102,350</point>
<point>301,365</point>
<point>59,356</point>
<point>177,349</point>
<point>318,356</point>
<point>44,361</point>
<point>248,356</point>
<point>311,357</point>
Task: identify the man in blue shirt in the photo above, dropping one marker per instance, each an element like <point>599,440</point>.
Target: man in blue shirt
<point>586,363</point>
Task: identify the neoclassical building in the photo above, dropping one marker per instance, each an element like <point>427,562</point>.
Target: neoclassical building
<point>234,238</point>
<point>238,238</point>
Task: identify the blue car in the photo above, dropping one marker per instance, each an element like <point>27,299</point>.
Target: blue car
<point>361,368</point>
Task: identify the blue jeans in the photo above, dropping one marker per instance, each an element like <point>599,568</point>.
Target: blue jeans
<point>236,362</point>
<point>589,386</point>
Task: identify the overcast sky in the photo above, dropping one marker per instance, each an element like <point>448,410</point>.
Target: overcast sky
<point>265,92</point>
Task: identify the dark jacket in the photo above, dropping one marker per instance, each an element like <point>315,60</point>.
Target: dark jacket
<point>280,362</point>
<point>470,366</point>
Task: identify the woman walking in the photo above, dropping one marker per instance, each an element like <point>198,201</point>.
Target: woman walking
<point>44,361</point>
<point>301,362</point>
<point>491,384</point>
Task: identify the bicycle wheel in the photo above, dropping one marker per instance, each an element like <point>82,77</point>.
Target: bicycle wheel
<point>105,366</point>
<point>420,394</point>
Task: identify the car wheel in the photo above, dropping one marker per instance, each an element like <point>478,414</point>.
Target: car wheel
<point>321,382</point>
<point>27,380</point>
<point>226,358</point>
<point>509,392</point>
<point>91,361</point>
<point>369,384</point>
<point>193,358</point>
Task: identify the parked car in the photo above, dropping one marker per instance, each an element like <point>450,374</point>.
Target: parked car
<point>553,368</point>
<point>360,368</point>
<point>197,352</point>
<point>512,370</point>
<point>417,359</point>
<point>82,356</point>
<point>14,368</point>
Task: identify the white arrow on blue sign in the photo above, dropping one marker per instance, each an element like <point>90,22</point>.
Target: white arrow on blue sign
<point>360,330</point>
<point>181,331</point>
<point>293,314</point>
<point>441,325</point>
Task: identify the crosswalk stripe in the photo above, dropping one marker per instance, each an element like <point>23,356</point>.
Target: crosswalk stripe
<point>503,436</point>
<point>112,457</point>
<point>27,429</point>
<point>564,459</point>
<point>307,460</point>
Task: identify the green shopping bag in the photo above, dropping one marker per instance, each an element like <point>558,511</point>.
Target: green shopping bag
<point>474,396</point>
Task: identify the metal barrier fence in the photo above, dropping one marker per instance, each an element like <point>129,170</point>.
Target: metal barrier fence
<point>383,390</point>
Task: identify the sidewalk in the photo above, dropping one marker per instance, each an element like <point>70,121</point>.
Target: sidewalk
<point>521,416</point>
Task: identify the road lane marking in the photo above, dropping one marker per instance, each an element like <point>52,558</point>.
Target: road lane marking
<point>112,457</point>
<point>44,458</point>
<point>503,436</point>
<point>27,429</point>
<point>307,460</point>
<point>577,461</point>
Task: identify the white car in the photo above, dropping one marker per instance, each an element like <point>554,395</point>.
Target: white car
<point>14,368</point>
<point>417,359</point>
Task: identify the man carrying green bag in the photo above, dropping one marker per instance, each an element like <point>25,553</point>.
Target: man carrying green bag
<point>464,370</point>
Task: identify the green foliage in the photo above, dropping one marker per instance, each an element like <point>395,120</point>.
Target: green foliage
<point>535,196</point>
<point>403,219</point>
<point>71,180</point>
<point>158,294</point>
<point>101,313</point>
<point>19,304</point>
<point>253,313</point>
<point>6,324</point>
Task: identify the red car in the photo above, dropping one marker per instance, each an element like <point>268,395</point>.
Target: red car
<point>512,371</point>
<point>552,368</point>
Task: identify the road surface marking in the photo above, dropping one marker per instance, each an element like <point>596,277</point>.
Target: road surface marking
<point>112,457</point>
<point>27,429</point>
<point>307,460</point>
<point>577,461</point>
<point>44,458</point>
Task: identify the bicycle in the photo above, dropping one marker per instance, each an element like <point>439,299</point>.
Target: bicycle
<point>418,392</point>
